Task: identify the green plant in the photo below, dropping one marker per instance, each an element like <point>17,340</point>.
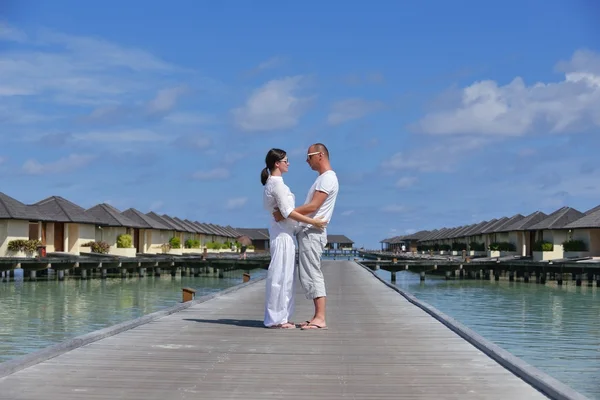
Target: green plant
<point>574,245</point>
<point>165,247</point>
<point>192,244</point>
<point>98,247</point>
<point>474,246</point>
<point>226,245</point>
<point>543,245</point>
<point>124,241</point>
<point>251,247</point>
<point>27,246</point>
<point>456,246</point>
<point>175,242</point>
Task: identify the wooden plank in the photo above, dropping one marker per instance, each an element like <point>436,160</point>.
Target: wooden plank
<point>378,346</point>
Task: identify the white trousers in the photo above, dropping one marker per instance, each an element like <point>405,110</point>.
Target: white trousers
<point>279,298</point>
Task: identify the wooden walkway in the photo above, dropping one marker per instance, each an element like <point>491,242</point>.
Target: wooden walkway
<point>378,346</point>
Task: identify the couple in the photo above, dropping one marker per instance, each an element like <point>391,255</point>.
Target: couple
<point>307,223</point>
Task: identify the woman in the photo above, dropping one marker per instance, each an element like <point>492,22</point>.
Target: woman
<point>279,301</point>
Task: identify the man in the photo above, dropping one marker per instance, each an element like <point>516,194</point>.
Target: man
<point>320,201</point>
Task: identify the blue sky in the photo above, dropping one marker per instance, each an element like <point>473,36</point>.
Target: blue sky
<point>436,113</point>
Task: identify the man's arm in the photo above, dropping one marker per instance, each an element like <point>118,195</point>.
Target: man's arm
<point>317,201</point>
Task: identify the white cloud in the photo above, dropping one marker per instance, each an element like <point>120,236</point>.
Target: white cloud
<point>440,157</point>
<point>199,142</point>
<point>409,231</point>
<point>233,157</point>
<point>66,164</point>
<point>272,62</point>
<point>166,99</point>
<point>394,208</point>
<point>213,174</point>
<point>406,182</point>
<point>78,70</point>
<point>515,109</point>
<point>183,118</point>
<point>125,136</point>
<point>349,109</point>
<point>273,106</point>
<point>10,34</point>
<point>235,203</point>
<point>347,213</point>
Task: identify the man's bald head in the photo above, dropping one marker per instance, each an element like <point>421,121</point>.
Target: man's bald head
<point>320,147</point>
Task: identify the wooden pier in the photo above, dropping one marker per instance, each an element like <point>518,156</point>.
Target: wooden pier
<point>378,345</point>
<point>147,264</point>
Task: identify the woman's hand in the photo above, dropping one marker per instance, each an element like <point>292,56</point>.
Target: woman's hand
<point>319,222</point>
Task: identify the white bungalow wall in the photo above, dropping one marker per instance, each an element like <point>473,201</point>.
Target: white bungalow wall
<point>12,230</point>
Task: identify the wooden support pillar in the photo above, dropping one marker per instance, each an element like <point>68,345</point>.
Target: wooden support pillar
<point>511,276</point>
<point>141,272</point>
<point>598,280</point>
<point>543,278</point>
<point>578,280</point>
<point>60,274</point>
<point>422,276</point>
<point>197,272</point>
<point>2,274</point>
<point>447,275</point>
<point>393,276</point>
<point>496,275</point>
<point>526,277</point>
<point>559,279</point>
<point>173,272</point>
<point>32,276</point>
<point>461,274</point>
<point>590,279</point>
<point>221,273</point>
<point>103,274</point>
<point>83,274</point>
<point>123,273</point>
<point>157,272</point>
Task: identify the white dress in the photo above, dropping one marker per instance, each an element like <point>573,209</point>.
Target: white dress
<point>279,298</point>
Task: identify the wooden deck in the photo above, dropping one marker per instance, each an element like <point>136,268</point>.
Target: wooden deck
<point>378,346</point>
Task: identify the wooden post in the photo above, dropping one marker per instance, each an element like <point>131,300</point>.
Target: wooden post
<point>61,275</point>
<point>246,277</point>
<point>578,280</point>
<point>393,278</point>
<point>103,274</point>
<point>83,274</point>
<point>422,276</point>
<point>447,275</point>
<point>188,294</point>
<point>511,276</point>
<point>496,275</point>
<point>526,277</point>
<point>559,279</point>
<point>32,276</point>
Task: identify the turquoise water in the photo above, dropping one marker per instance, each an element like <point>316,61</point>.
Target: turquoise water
<point>554,328</point>
<point>34,315</point>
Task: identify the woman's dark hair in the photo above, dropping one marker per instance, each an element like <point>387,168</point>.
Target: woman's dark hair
<point>272,157</point>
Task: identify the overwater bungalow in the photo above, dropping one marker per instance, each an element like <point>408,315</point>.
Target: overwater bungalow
<point>114,229</point>
<point>67,226</point>
<point>583,236</point>
<point>20,228</point>
<point>259,237</point>
<point>551,232</point>
<point>339,242</point>
<point>171,245</point>
<point>152,236</point>
<point>519,234</point>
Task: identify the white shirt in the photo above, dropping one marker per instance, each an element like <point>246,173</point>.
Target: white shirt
<point>327,182</point>
<point>277,194</point>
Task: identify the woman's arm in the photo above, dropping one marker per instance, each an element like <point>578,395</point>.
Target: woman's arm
<point>280,193</point>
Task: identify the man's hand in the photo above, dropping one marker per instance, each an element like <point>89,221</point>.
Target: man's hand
<point>277,215</point>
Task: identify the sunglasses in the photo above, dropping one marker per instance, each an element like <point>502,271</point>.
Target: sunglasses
<point>309,155</point>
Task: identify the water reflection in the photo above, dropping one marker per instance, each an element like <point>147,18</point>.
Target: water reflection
<point>38,314</point>
<point>555,328</point>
